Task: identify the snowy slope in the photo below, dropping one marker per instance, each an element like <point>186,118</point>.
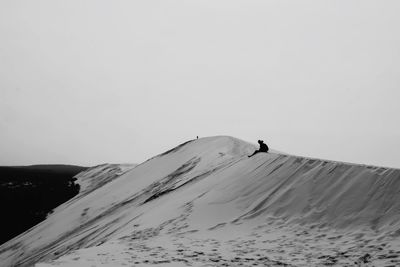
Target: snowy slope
<point>95,177</point>
<point>206,202</point>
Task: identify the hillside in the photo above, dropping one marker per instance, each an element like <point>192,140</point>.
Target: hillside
<point>205,203</point>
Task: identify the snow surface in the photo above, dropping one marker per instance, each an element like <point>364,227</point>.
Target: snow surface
<point>205,203</point>
<point>97,176</point>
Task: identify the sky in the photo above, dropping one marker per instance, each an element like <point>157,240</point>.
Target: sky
<point>92,81</point>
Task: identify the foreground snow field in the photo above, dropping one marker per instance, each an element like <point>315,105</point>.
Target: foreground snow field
<point>205,203</point>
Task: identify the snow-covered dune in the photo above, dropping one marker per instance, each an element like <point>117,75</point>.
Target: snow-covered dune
<point>95,177</point>
<point>206,202</point>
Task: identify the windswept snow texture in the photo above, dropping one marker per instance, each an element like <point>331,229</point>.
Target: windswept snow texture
<point>205,203</point>
<point>97,176</point>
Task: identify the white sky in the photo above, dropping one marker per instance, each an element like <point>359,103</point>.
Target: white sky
<point>87,82</point>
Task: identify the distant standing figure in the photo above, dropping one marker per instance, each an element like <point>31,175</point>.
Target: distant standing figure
<point>263,148</point>
<point>197,137</point>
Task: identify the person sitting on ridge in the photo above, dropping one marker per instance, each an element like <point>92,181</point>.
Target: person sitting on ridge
<point>263,148</point>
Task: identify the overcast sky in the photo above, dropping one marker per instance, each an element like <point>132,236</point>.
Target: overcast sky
<point>87,82</point>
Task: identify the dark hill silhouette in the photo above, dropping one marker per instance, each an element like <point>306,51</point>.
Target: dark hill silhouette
<point>29,193</point>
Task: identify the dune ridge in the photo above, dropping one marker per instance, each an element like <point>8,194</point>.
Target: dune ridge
<point>209,188</point>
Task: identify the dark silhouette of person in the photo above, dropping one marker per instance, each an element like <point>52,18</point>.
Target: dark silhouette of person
<point>263,148</point>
